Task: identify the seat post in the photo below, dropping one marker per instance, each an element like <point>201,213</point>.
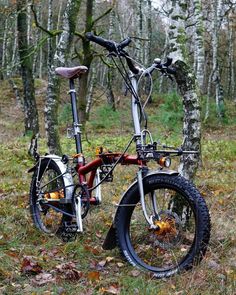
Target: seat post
<point>76,122</point>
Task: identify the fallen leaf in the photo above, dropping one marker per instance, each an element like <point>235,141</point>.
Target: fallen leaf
<point>43,279</point>
<point>13,254</point>
<point>69,271</point>
<point>109,259</point>
<point>102,263</point>
<point>29,266</point>
<point>120,264</point>
<point>135,273</point>
<point>91,250</point>
<point>93,275</point>
<point>111,290</point>
<point>98,234</point>
<point>172,286</point>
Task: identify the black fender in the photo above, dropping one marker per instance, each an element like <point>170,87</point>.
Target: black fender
<point>67,177</point>
<point>32,169</point>
<point>110,240</point>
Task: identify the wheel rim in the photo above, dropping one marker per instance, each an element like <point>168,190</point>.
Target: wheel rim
<point>166,245</point>
<point>49,192</point>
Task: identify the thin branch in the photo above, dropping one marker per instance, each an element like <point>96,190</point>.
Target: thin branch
<point>80,35</point>
<point>101,16</point>
<point>105,62</point>
<point>50,33</point>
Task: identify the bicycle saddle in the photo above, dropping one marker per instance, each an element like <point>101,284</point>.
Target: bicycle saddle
<point>71,73</point>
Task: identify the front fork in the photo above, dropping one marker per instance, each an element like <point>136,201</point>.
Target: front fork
<point>154,216</point>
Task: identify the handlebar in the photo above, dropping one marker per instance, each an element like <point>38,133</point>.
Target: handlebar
<point>163,67</point>
<point>117,48</point>
<point>114,47</point>
<point>111,46</point>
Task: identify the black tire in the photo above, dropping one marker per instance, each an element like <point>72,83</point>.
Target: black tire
<point>44,217</point>
<point>185,233</point>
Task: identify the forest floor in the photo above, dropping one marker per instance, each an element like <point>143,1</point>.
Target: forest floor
<point>34,263</point>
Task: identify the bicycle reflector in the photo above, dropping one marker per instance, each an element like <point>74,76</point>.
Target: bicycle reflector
<point>164,162</point>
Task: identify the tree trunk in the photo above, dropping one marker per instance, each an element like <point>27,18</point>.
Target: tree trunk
<point>191,122</point>
<point>4,48</point>
<point>217,5</point>
<point>231,60</point>
<point>185,79</point>
<point>38,62</point>
<point>215,73</point>
<point>199,43</point>
<point>140,31</point>
<point>90,92</point>
<point>109,91</point>
<point>59,59</point>
<point>110,71</point>
<point>86,61</point>
<point>30,107</point>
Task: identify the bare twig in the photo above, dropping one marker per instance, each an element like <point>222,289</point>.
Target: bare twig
<point>50,33</point>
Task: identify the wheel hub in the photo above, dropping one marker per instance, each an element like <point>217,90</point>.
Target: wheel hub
<point>164,227</point>
<point>167,230</point>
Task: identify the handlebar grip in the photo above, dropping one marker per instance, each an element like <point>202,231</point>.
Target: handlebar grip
<point>109,45</point>
<point>124,43</point>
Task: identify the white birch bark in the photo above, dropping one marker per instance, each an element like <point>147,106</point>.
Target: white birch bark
<point>149,31</point>
<point>59,59</point>
<point>28,22</point>
<point>214,77</point>
<point>187,85</point>
<point>199,43</point>
<point>217,6</point>
<point>38,56</point>
<point>13,66</point>
<point>49,40</point>
<point>110,71</point>
<point>231,58</point>
<point>4,47</point>
<point>92,81</point>
<point>140,31</point>
<point>59,18</point>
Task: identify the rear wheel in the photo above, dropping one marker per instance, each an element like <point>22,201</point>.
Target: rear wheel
<point>180,232</point>
<point>46,191</point>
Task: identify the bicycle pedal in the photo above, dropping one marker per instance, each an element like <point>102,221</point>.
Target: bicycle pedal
<point>72,228</point>
<point>68,232</point>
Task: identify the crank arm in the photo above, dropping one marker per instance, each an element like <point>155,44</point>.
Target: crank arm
<point>78,214</point>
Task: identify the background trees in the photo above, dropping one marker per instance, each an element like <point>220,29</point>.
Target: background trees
<point>35,39</point>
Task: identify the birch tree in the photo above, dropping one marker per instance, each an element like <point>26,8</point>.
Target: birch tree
<point>86,57</point>
<point>216,7</point>
<point>59,59</point>
<point>110,70</point>
<point>231,50</point>
<point>25,55</point>
<point>187,85</point>
<point>199,43</point>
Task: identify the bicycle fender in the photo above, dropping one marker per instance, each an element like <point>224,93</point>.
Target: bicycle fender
<point>67,177</point>
<point>110,240</point>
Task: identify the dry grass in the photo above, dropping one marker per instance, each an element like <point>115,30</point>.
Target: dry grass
<point>92,270</point>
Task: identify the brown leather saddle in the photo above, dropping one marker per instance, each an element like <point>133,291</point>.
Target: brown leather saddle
<point>71,73</point>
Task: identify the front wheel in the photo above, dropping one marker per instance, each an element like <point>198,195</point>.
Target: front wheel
<point>180,232</point>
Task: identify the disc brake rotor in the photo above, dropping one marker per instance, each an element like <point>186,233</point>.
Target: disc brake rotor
<point>168,230</point>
